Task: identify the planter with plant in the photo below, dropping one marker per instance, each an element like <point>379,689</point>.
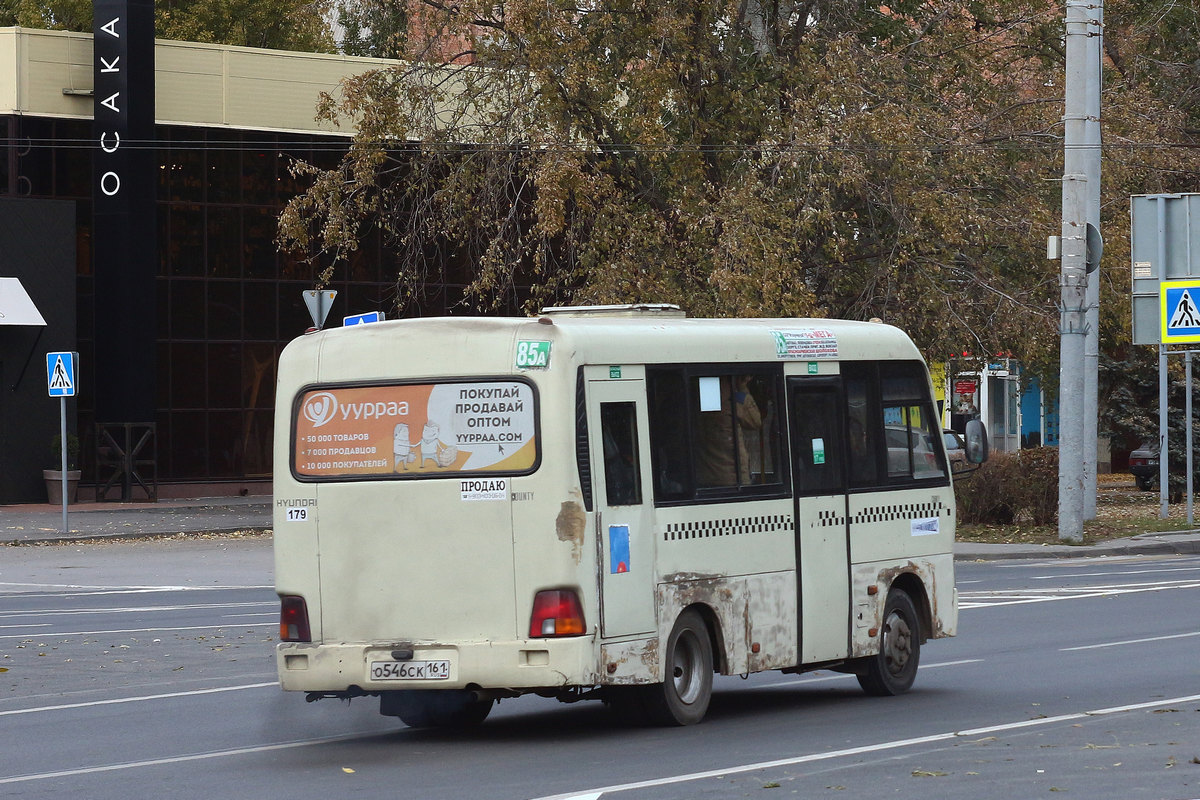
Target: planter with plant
<point>54,476</point>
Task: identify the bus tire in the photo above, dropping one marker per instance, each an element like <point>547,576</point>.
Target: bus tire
<point>451,709</point>
<point>683,696</point>
<point>894,668</point>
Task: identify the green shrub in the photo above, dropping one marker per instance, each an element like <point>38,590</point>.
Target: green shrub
<point>1010,488</point>
<point>72,451</point>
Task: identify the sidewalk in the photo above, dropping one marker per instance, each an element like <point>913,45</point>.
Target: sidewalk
<point>33,524</point>
<point>1145,544</point>
<point>30,524</point>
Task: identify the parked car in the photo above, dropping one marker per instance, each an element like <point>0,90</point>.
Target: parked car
<point>902,441</point>
<point>956,448</point>
<point>1143,465</point>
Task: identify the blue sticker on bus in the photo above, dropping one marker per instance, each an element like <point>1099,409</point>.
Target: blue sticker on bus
<point>618,548</point>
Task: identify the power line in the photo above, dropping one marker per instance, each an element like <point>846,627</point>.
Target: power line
<point>286,149</point>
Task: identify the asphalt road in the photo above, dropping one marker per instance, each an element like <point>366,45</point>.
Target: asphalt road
<point>145,669</point>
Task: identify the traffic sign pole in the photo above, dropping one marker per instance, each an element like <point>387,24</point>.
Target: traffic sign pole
<point>62,436</point>
<point>61,383</point>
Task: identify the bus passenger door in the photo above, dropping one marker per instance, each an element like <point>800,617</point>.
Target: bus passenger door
<point>819,455</point>
<point>617,431</point>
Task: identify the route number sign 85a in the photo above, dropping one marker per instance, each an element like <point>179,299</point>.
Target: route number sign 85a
<point>533,355</point>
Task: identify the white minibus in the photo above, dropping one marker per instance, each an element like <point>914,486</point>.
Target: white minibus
<point>610,502</point>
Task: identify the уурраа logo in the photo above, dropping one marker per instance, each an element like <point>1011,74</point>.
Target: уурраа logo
<point>320,408</point>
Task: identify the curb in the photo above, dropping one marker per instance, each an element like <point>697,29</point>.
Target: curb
<point>97,537</point>
<point>1120,547</point>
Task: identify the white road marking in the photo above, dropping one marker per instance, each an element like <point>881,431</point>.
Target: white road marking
<point>1024,596</point>
<point>82,590</point>
<point>158,762</point>
<point>142,698</point>
<point>1110,573</point>
<point>593,794</point>
<point>1068,563</point>
<point>1129,641</point>
<point>816,677</point>
<point>129,609</point>
<point>64,634</point>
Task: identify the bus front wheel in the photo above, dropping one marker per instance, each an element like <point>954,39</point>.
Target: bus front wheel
<point>893,669</point>
<point>682,698</point>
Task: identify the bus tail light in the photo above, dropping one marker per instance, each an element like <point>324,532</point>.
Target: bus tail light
<point>293,619</point>
<point>556,612</point>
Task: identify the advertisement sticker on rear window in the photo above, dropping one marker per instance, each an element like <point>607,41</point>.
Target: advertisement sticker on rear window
<point>415,429</point>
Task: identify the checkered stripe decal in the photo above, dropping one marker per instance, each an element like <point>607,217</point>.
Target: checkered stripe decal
<point>710,528</point>
<point>830,518</point>
<point>899,511</point>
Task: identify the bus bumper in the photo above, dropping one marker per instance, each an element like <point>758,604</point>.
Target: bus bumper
<point>532,664</point>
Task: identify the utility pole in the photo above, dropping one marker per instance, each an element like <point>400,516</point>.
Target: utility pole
<point>1091,157</point>
<point>1082,26</point>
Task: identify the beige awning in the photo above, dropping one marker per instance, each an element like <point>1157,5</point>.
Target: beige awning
<point>16,308</point>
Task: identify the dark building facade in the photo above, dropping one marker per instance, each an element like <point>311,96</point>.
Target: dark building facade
<point>226,301</point>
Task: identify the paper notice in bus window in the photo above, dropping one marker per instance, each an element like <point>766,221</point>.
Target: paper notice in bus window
<point>415,430</point>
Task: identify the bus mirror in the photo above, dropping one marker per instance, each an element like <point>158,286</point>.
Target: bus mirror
<point>976,441</point>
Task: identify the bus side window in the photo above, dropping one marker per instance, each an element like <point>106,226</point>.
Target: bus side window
<point>860,429</point>
<point>728,432</point>
<point>910,426</point>
<point>622,476</point>
<point>713,430</point>
<point>669,456</point>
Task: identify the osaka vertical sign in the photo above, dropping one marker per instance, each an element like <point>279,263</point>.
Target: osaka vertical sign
<point>124,189</point>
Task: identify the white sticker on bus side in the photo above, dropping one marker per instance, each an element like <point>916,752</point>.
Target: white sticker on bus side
<point>483,489</point>
<point>925,527</point>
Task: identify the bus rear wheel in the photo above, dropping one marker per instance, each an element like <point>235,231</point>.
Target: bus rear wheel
<point>683,696</point>
<point>435,709</point>
<point>893,669</point>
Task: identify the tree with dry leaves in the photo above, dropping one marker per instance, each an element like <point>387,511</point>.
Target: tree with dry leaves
<point>744,158</point>
<point>279,24</point>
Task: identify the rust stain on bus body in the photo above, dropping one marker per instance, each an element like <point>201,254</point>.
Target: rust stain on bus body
<point>771,625</point>
<point>631,663</point>
<point>926,600</point>
<point>747,614</point>
<point>570,526</point>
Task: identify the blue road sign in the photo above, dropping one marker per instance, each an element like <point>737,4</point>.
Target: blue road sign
<point>362,319</point>
<point>1180,311</point>
<point>60,374</point>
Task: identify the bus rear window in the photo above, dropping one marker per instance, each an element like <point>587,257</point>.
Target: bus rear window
<point>414,430</point>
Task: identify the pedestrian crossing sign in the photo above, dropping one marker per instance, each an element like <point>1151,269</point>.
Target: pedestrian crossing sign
<point>60,374</point>
<point>1180,310</point>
